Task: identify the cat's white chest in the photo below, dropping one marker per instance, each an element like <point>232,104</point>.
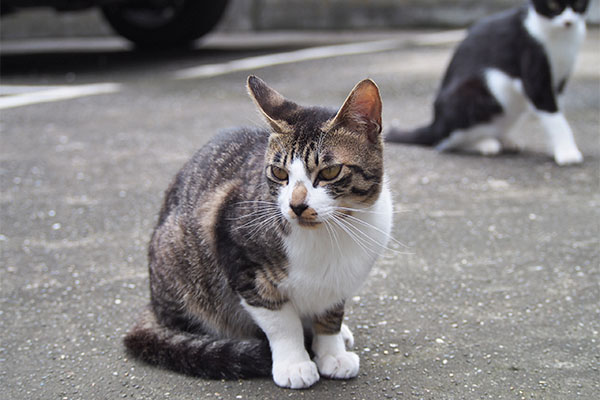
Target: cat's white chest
<point>328,264</point>
<point>562,54</point>
<point>560,43</point>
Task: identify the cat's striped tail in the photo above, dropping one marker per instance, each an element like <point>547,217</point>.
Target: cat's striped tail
<point>194,354</point>
<point>424,136</point>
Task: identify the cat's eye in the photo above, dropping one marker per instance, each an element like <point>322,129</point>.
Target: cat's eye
<point>580,5</point>
<point>279,173</point>
<point>554,5</point>
<point>330,173</point>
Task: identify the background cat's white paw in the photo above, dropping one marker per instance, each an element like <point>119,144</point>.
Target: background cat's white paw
<point>298,375</point>
<point>339,366</point>
<point>568,157</point>
<point>347,336</point>
<point>488,147</point>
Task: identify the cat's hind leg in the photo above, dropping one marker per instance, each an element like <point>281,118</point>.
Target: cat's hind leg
<point>481,139</point>
<point>487,146</point>
<point>471,115</point>
<point>488,126</point>
<point>329,346</point>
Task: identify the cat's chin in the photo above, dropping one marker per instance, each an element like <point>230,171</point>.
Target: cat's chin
<point>308,223</point>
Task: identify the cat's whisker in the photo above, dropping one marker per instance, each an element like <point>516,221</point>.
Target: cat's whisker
<point>368,211</point>
<point>375,242</point>
<point>253,210</point>
<point>333,236</point>
<point>260,220</point>
<point>353,236</point>
<point>253,216</point>
<point>369,243</point>
<point>261,226</point>
<point>256,217</point>
<point>371,226</point>
<point>328,229</point>
<point>255,202</point>
<point>256,211</point>
<point>359,232</point>
<point>251,225</point>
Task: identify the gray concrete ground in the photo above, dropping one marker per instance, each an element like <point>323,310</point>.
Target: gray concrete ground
<point>496,296</point>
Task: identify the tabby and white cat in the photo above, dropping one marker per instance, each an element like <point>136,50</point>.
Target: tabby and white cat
<point>262,236</point>
<point>509,63</point>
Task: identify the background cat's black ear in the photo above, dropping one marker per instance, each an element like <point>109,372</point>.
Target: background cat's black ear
<point>361,111</point>
<point>276,109</point>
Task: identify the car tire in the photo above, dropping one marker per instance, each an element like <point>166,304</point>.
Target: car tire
<point>163,24</point>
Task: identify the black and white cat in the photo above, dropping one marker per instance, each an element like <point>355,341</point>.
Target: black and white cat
<point>509,63</point>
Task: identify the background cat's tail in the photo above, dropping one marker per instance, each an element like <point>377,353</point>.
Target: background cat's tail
<point>195,354</point>
<point>424,136</point>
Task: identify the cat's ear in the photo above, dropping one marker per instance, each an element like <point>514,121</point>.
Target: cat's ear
<point>276,108</point>
<point>361,111</point>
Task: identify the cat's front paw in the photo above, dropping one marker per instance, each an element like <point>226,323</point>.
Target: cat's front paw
<point>568,157</point>
<point>347,336</point>
<point>297,375</point>
<point>343,365</point>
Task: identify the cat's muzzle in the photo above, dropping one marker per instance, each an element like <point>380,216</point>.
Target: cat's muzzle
<point>305,215</point>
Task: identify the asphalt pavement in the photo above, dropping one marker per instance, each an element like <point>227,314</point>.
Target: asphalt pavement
<point>495,293</point>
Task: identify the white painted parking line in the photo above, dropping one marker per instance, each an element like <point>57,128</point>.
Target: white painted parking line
<point>314,53</point>
<point>17,96</point>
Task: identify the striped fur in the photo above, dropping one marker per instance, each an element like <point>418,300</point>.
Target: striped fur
<point>222,258</point>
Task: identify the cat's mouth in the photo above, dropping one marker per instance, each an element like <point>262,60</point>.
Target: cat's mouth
<point>307,217</point>
<point>308,223</point>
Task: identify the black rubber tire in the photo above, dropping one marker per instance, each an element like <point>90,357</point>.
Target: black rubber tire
<point>182,21</point>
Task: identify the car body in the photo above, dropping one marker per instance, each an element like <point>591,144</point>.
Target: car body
<point>152,24</point>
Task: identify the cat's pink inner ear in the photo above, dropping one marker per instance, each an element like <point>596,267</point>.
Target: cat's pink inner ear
<point>362,109</point>
<point>367,102</point>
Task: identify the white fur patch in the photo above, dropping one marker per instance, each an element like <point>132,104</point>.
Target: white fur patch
<point>292,367</point>
<point>347,336</point>
<point>560,138</point>
<point>507,91</point>
<point>332,359</point>
<point>326,264</point>
<point>561,37</point>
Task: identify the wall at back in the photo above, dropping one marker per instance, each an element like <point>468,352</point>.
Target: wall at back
<point>364,14</point>
<point>257,15</point>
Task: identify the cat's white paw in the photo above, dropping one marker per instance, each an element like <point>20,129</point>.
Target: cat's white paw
<point>297,375</point>
<point>343,365</point>
<point>488,147</point>
<point>568,156</point>
<point>347,336</point>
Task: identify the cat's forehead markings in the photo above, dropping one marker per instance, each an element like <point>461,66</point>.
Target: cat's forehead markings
<point>298,172</point>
